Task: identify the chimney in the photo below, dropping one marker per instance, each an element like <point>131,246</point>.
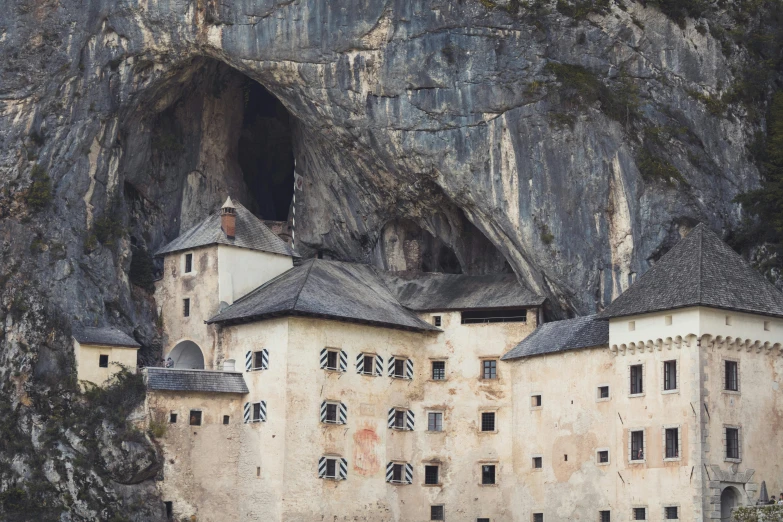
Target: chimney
<point>228,218</point>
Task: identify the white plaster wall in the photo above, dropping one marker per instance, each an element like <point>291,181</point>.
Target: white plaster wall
<point>243,270</point>
<point>88,361</point>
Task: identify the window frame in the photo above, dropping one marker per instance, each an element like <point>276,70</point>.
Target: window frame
<point>537,459</point>
<point>200,417</point>
<point>665,446</point>
<point>484,361</point>
<point>335,405</point>
<point>666,507</point>
<point>539,514</point>
<point>434,412</point>
<point>331,352</point>
<point>536,397</point>
<point>399,361</point>
<point>432,370</point>
<point>442,512</point>
<point>665,372</point>
<point>437,466</point>
<point>598,397</point>
<point>371,357</point>
<point>601,515</point>
<point>258,354</point>
<point>186,308</point>
<point>334,475</point>
<point>724,375</point>
<point>494,465</point>
<point>187,258</point>
<point>226,420</point>
<point>633,512</point>
<point>598,452</point>
<point>726,428</point>
<point>494,413</point>
<point>630,381</point>
<point>437,320</point>
<point>631,460</point>
<point>173,417</point>
<point>101,359</point>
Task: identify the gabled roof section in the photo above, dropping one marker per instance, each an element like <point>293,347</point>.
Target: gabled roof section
<point>441,292</point>
<point>250,233</point>
<point>195,381</point>
<point>328,289</point>
<point>561,336</point>
<point>104,336</point>
<point>700,270</point>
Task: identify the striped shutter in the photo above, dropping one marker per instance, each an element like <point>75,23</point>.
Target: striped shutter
<point>262,418</point>
<point>409,368</point>
<point>409,420</point>
<point>409,473</point>
<point>389,471</point>
<point>248,361</point>
<point>360,363</point>
<point>391,366</point>
<point>378,365</point>
<point>343,361</point>
<point>342,413</point>
<point>264,359</point>
<point>343,472</point>
<point>324,357</point>
<point>247,412</point>
<point>322,467</point>
<point>323,411</point>
<point>391,417</point>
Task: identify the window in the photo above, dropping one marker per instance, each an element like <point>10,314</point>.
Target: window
<point>732,443</point>
<point>488,474</point>
<point>728,320</point>
<point>435,421</point>
<point>368,365</point>
<point>672,436</point>
<point>640,513</point>
<point>188,263</point>
<point>535,401</point>
<point>103,361</point>
<point>438,370</point>
<point>538,517</point>
<point>437,513</point>
<point>637,446</point>
<point>732,376</point>
<point>173,418</point>
<point>637,384</point>
<point>400,419</point>
<point>331,413</point>
<point>254,412</point>
<point>431,477</point>
<point>483,520</point>
<point>257,411</point>
<point>489,369</point>
<point>399,473</point>
<point>258,361</point>
<point>226,419</point>
<point>514,315</point>
<point>767,326</point>
<point>334,359</point>
<point>331,360</point>
<point>487,421</point>
<point>671,513</point>
<point>333,468</point>
<point>670,375</point>
<point>605,516</point>
<point>195,418</point>
<point>603,456</point>
<point>603,392</point>
<point>397,470</point>
<point>169,508</point>
<point>667,320</point>
<point>538,462</point>
<point>186,307</point>
<point>399,368</point>
<point>436,320</point>
<point>631,326</point>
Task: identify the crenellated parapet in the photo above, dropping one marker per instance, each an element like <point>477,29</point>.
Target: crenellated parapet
<point>718,342</point>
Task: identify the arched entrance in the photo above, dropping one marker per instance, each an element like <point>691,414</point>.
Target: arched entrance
<point>187,355</point>
<point>729,499</point>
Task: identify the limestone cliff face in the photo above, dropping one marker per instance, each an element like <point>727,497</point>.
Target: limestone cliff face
<point>451,115</point>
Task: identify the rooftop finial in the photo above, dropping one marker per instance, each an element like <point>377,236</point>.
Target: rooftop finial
<point>228,203</point>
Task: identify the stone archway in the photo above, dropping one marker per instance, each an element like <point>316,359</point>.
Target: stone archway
<point>187,355</point>
<point>729,499</point>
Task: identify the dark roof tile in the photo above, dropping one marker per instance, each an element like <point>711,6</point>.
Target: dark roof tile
<point>106,335</point>
<point>195,380</point>
<point>560,336</point>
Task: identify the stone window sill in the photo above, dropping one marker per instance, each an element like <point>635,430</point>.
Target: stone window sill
<point>642,461</point>
<point>732,392</point>
<point>726,459</point>
<point>673,459</point>
<point>669,392</point>
<point>635,395</point>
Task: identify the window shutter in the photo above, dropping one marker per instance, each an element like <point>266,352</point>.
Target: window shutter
<point>343,469</point>
<point>322,467</point>
<point>264,359</point>
<point>343,413</point>
<point>323,411</point>
<point>409,368</point>
<point>247,412</point>
<point>409,473</point>
<point>343,361</point>
<point>409,420</point>
<point>378,365</point>
<point>248,361</point>
<point>262,417</point>
<point>324,356</point>
<point>360,363</point>
<point>391,418</point>
<point>389,471</point>
<point>391,366</point>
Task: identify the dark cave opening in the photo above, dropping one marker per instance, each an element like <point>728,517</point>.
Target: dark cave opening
<point>266,152</point>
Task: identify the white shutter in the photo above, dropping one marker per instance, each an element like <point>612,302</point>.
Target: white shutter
<point>322,467</point>
<point>409,420</point>
<point>343,473</point>
<point>323,411</point>
<point>378,365</point>
<point>324,357</point>
<point>409,368</point>
<point>409,473</point>
<point>343,361</point>
<point>391,417</point>
<point>389,471</point>
<point>360,363</point>
<point>248,361</point>
<point>342,413</point>
<point>391,366</point>
<point>264,359</point>
<point>247,412</point>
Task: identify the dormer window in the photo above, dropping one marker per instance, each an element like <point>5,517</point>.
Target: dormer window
<point>188,263</point>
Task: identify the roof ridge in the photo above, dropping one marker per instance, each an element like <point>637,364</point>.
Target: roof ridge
<point>701,261</point>
<point>304,282</point>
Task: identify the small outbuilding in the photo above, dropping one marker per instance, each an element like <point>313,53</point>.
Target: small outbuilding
<point>102,352</point>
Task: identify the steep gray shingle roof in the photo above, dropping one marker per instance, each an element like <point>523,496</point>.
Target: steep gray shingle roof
<point>700,270</point>
<point>430,292</point>
<point>559,336</point>
<point>195,380</point>
<point>329,289</point>
<point>106,335</point>
<point>250,233</point>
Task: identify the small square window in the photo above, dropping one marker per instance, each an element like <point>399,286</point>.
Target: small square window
<point>188,263</point>
<point>670,375</point>
<point>368,365</point>
<point>331,360</point>
<point>173,418</point>
<point>226,419</point>
<point>667,320</point>
<point>538,462</point>
<point>728,320</point>
<point>431,475</point>
<point>435,421</point>
<point>631,326</point>
<point>538,517</point>
<point>488,474</point>
<point>671,513</point>
<point>489,369</point>
<point>603,457</point>
<point>605,516</point>
<point>436,320</point>
<point>767,326</point>
<point>438,370</point>
<point>437,513</point>
<point>488,421</point>
<point>186,307</point>
<point>103,361</point>
<point>195,418</point>
<point>603,392</point>
<point>640,513</point>
<point>535,401</point>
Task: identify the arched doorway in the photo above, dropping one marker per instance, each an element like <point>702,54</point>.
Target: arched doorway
<point>187,355</point>
<point>729,499</point>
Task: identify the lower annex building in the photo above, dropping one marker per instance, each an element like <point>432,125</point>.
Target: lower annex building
<point>326,390</point>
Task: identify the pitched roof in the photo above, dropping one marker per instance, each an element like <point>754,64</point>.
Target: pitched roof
<point>560,336</point>
<point>700,270</point>
<point>195,380</point>
<point>250,233</point>
<point>329,289</point>
<point>107,336</point>
<point>431,291</point>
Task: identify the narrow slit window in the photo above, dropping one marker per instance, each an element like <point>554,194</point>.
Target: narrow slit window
<point>186,307</point>
<point>637,445</point>
<point>670,375</point>
<point>732,376</point>
<point>188,263</point>
<point>672,443</point>
<point>732,443</point>
<point>637,379</point>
